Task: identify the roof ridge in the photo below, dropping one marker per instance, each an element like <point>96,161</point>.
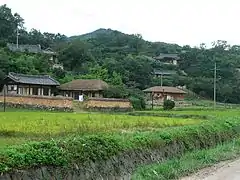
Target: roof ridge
<point>29,75</point>
<point>28,78</point>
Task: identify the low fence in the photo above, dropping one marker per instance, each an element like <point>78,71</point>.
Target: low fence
<point>108,104</point>
<point>51,103</point>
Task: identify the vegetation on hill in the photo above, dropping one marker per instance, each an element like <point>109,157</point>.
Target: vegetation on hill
<point>121,59</point>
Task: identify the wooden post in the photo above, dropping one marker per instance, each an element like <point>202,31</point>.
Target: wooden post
<point>4,98</point>
<point>161,80</point>
<point>152,99</point>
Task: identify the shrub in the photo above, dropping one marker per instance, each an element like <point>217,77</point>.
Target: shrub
<point>168,104</point>
<point>134,95</point>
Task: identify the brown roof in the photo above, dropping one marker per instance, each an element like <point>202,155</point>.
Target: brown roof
<point>165,89</point>
<point>84,85</point>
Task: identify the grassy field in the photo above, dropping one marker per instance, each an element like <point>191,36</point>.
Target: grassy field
<point>64,138</point>
<point>207,112</point>
<point>18,127</point>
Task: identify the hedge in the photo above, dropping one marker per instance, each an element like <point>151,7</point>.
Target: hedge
<point>100,147</point>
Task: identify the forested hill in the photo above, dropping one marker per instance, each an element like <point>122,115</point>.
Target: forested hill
<point>120,59</point>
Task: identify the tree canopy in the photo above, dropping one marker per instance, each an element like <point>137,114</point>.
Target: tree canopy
<point>120,59</point>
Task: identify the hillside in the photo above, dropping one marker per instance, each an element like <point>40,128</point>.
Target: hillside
<point>94,34</point>
<point>121,60</point>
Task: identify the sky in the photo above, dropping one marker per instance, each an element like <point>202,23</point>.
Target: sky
<point>184,22</point>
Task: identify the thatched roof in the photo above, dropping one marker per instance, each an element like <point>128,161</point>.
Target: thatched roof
<point>32,79</point>
<point>84,85</point>
<point>165,89</point>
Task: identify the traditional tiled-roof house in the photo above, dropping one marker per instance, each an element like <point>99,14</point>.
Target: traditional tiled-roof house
<point>23,84</point>
<point>36,49</point>
<point>88,87</point>
<point>168,58</point>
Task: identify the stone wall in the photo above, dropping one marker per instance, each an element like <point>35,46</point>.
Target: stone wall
<point>108,104</point>
<point>38,101</point>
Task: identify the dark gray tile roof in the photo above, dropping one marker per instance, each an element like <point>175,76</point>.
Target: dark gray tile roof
<point>29,48</point>
<point>24,48</point>
<point>33,79</point>
<point>168,56</point>
<point>164,72</point>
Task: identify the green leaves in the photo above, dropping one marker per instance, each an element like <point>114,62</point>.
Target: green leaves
<point>95,148</point>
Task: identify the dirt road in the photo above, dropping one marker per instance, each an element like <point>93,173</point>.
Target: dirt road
<point>228,170</point>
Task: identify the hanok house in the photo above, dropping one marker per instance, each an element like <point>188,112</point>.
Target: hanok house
<point>159,93</point>
<point>87,87</point>
<point>22,84</point>
<point>168,58</point>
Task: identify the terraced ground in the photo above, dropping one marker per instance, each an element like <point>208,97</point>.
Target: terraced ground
<point>29,139</point>
<point>18,127</point>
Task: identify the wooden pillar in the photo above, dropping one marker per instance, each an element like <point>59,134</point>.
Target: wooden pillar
<point>39,91</point>
<point>49,92</point>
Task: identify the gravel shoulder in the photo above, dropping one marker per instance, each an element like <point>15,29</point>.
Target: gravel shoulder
<point>227,170</point>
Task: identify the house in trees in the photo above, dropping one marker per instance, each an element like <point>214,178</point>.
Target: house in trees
<point>22,84</point>
<point>168,58</point>
<point>36,49</point>
<point>160,73</point>
<point>87,87</point>
<point>157,94</point>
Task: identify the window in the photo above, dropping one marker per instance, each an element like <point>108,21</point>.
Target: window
<point>93,94</point>
<point>12,87</point>
<point>45,91</point>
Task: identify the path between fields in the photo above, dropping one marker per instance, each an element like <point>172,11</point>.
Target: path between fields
<point>228,170</point>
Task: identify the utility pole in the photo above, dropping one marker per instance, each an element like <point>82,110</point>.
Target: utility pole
<point>4,97</point>
<point>214,93</point>
<point>161,80</point>
<point>17,36</point>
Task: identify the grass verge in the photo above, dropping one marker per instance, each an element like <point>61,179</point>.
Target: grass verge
<point>188,163</point>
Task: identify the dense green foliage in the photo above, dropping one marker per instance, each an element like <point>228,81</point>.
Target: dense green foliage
<point>103,146</point>
<point>134,95</point>
<point>121,59</point>
<point>168,104</point>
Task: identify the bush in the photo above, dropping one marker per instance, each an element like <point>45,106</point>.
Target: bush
<point>168,104</point>
<point>134,95</point>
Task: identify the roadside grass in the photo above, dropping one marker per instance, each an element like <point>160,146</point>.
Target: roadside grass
<point>27,126</point>
<point>188,163</point>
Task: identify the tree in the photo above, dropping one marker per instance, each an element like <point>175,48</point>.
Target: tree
<point>75,55</point>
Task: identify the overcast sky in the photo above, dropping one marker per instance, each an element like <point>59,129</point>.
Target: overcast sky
<point>174,21</point>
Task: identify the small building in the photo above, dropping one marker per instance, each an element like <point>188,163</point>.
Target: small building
<point>159,73</point>
<point>159,93</point>
<point>168,58</point>
<point>36,49</point>
<point>23,84</point>
<point>87,87</point>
